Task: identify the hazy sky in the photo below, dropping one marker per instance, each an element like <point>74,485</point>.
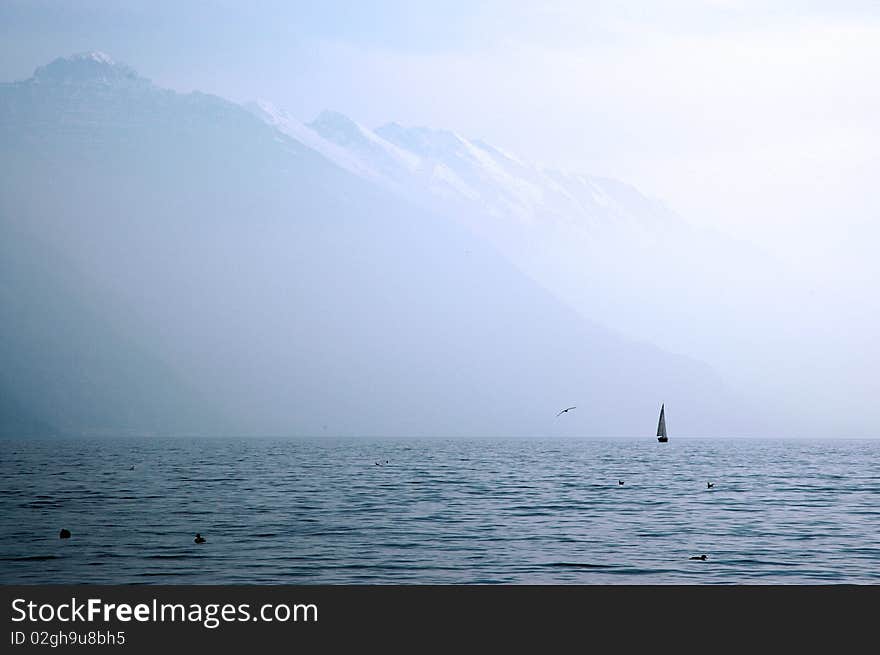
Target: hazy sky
<point>762,121</point>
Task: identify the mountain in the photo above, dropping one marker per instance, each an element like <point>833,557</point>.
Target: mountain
<point>614,255</point>
<point>184,262</point>
<point>70,365</point>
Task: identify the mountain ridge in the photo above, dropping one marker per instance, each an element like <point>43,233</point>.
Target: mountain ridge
<point>297,296</point>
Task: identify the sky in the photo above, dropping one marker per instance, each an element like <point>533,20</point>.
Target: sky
<point>755,118</point>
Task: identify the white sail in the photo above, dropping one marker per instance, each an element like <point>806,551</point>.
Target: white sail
<point>661,424</point>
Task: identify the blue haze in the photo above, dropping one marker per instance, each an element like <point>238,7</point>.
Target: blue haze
<point>177,266</point>
<point>257,304</point>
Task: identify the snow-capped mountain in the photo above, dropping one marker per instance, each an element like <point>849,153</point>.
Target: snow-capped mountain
<point>175,249</point>
<point>342,157</point>
<point>609,251</point>
<point>442,165</point>
<point>87,68</point>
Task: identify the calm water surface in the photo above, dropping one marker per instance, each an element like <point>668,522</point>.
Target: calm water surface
<point>441,511</point>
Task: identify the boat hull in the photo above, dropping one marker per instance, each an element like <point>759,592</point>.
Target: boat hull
<point>662,439</point>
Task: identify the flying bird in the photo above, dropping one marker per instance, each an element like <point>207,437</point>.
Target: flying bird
<point>565,410</point>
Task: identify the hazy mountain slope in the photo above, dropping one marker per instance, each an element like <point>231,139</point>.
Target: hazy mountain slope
<point>16,421</point>
<point>613,254</point>
<point>610,252</point>
<point>69,364</point>
<point>296,296</point>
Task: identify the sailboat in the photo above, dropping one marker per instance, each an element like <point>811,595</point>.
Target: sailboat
<point>661,426</point>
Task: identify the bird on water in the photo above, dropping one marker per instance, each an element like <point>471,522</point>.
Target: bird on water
<point>620,483</point>
<point>700,557</point>
<point>199,539</point>
<point>64,534</point>
<point>709,485</point>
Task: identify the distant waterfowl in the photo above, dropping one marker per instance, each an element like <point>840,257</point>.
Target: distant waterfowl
<point>700,557</point>
<point>620,482</point>
<point>64,534</point>
<point>567,409</point>
<point>709,485</point>
<point>199,539</point>
<point>131,468</point>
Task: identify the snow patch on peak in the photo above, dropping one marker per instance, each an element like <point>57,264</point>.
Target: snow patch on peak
<point>345,143</point>
<point>423,141</point>
<point>290,126</point>
<point>267,110</point>
<point>94,55</point>
<point>340,125</point>
<point>497,152</point>
<point>346,133</point>
<point>94,67</point>
<point>426,164</point>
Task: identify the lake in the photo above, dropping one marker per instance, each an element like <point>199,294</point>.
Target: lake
<point>505,511</point>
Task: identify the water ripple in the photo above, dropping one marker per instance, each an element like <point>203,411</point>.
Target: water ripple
<point>493,511</point>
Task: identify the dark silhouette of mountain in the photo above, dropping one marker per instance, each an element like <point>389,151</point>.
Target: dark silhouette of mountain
<point>229,277</point>
<point>70,365</point>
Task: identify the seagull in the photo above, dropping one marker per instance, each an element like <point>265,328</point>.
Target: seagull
<point>565,410</point>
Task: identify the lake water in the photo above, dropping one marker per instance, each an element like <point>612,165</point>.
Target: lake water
<point>440,511</point>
